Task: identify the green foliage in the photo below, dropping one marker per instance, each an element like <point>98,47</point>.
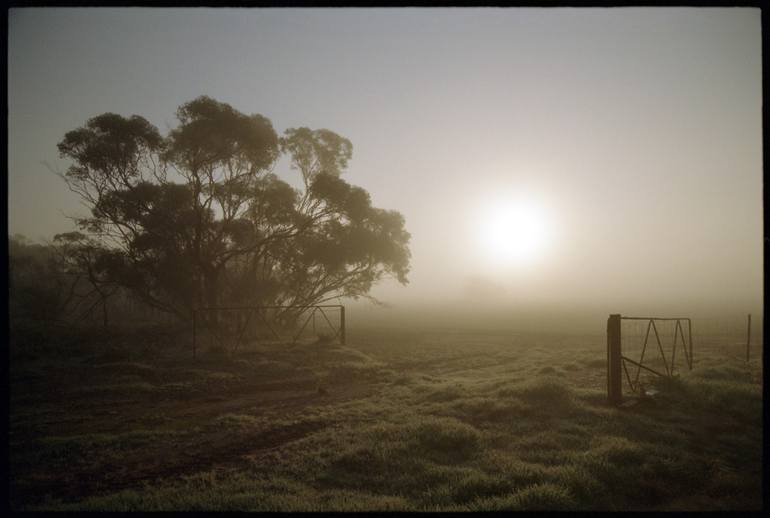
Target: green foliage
<point>213,133</point>
<point>110,148</point>
<point>316,151</point>
<point>231,231</point>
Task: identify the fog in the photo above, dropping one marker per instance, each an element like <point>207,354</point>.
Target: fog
<point>636,133</point>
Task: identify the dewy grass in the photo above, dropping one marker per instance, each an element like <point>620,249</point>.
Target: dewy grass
<point>408,422</point>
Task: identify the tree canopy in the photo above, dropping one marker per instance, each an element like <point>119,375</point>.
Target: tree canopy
<point>198,218</point>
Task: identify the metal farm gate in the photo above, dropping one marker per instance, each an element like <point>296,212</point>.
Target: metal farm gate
<point>618,360</point>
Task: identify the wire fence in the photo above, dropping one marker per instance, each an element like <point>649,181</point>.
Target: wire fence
<point>728,337</point>
<point>236,328</point>
<point>651,348</point>
<point>733,337</point>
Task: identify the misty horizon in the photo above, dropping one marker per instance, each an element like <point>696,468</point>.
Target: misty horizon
<point>643,153</point>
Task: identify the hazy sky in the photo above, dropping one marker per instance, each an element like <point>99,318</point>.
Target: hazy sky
<point>636,133</point>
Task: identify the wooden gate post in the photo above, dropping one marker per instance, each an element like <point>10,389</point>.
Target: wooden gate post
<point>748,338</point>
<point>614,380</point>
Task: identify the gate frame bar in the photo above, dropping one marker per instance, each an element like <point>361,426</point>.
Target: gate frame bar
<point>339,332</point>
<point>616,362</point>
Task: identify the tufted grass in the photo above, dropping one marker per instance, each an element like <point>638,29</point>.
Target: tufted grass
<point>391,422</point>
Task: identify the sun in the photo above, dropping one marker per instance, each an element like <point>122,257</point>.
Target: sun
<point>513,233</point>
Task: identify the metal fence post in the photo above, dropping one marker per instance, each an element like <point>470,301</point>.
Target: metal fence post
<point>614,380</point>
<point>343,338</point>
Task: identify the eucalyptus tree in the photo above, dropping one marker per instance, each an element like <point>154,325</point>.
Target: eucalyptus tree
<point>199,218</point>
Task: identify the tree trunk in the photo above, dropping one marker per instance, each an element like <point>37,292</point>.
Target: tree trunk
<point>210,294</point>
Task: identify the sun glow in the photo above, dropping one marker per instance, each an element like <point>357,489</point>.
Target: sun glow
<point>513,233</point>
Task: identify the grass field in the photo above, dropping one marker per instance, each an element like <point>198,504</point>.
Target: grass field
<point>395,420</point>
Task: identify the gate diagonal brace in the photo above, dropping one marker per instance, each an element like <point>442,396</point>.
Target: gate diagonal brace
<point>242,331</point>
<point>644,348</point>
<point>262,317</point>
<point>630,383</point>
<point>312,313</point>
<point>660,347</point>
<point>331,326</point>
<point>614,351</point>
<point>642,366</point>
<point>216,334</point>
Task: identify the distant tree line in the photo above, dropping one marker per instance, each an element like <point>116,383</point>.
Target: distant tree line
<point>198,218</point>
<point>46,287</point>
<point>38,290</point>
